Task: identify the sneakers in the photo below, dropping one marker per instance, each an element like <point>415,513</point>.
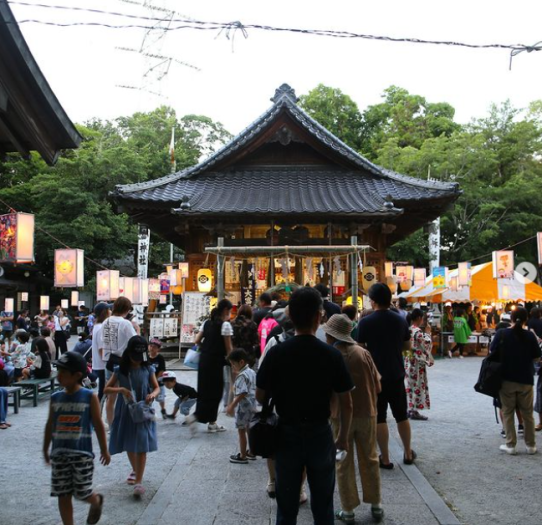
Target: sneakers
<point>190,420</point>
<point>460,356</point>
<point>531,450</point>
<point>377,512</point>
<point>345,517</point>
<point>520,430</point>
<point>164,414</point>
<point>213,428</point>
<point>509,450</point>
<point>237,458</point>
<point>503,433</point>
<point>450,354</point>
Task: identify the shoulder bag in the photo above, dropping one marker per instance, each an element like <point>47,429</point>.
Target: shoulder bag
<point>490,378</point>
<point>262,432</point>
<point>140,411</point>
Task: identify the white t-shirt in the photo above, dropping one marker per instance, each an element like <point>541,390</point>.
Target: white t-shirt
<point>97,343</point>
<point>225,330</point>
<point>116,332</point>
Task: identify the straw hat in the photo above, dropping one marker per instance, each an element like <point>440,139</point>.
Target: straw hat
<point>339,327</point>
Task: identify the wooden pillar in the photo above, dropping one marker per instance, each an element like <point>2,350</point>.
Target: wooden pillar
<point>354,271</point>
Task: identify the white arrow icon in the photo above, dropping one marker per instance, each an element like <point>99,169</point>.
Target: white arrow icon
<point>526,272</point>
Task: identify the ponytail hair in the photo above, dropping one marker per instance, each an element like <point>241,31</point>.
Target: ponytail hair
<point>218,311</point>
<point>519,318</point>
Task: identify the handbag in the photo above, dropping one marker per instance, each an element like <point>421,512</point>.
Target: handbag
<point>140,411</point>
<point>490,378</point>
<point>263,431</point>
<point>191,359</point>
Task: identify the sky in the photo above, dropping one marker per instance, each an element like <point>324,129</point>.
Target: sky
<point>236,79</point>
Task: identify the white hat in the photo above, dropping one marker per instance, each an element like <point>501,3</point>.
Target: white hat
<point>168,375</point>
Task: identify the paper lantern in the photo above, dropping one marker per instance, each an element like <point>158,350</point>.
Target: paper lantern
<point>128,288</point>
<point>140,291</point>
<point>388,269</point>
<point>163,299</point>
<point>107,285</point>
<point>404,273</point>
<point>175,278</point>
<point>17,238</point>
<point>392,285</point>
<point>503,264</point>
<point>419,277</point>
<point>154,289</point>
<point>464,277</point>
<point>539,247</point>
<point>9,305</point>
<point>405,285</point>
<point>24,297</point>
<point>64,303</point>
<point>177,290</point>
<point>350,300</point>
<point>80,303</point>
<point>368,277</point>
<point>74,298</point>
<point>453,284</point>
<point>505,292</point>
<point>44,302</point>
<point>69,268</point>
<point>205,280</point>
<point>169,267</point>
<point>185,269</point>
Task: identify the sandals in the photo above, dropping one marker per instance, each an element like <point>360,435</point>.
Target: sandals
<point>139,490</point>
<point>385,466</point>
<point>538,428</point>
<point>4,426</point>
<point>345,517</point>
<point>131,478</point>
<point>95,512</point>
<point>411,460</point>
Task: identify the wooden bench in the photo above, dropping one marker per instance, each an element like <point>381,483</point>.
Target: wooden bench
<point>37,388</point>
<point>15,391</point>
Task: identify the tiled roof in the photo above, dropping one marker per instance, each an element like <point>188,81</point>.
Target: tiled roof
<point>295,189</point>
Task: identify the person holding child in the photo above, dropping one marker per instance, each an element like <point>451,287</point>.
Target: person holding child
<point>72,414</point>
<point>243,405</point>
<point>136,381</point>
<point>186,395</point>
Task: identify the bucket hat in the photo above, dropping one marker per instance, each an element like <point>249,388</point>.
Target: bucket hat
<point>339,326</point>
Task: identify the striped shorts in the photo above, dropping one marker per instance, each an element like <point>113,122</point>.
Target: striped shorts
<point>72,475</point>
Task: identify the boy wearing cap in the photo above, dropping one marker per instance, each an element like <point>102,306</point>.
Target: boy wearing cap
<point>362,435</point>
<point>72,414</point>
<point>159,363</point>
<point>186,395</point>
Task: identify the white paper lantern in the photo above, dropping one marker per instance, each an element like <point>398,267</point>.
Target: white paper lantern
<point>24,297</point>
<point>69,268</point>
<point>64,303</point>
<point>9,305</point>
<point>185,269</point>
<point>44,302</point>
<point>74,298</point>
<point>17,238</point>
<point>128,288</point>
<point>505,292</point>
<point>81,303</point>
<point>154,289</point>
<point>419,277</point>
<point>140,291</point>
<point>453,284</point>
<point>175,278</point>
<point>539,247</point>
<point>464,274</point>
<point>107,285</point>
<point>163,299</point>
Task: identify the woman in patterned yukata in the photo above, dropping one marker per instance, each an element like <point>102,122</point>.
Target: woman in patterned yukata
<point>416,364</point>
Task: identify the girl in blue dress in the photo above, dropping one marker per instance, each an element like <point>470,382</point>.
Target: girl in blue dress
<point>134,379</point>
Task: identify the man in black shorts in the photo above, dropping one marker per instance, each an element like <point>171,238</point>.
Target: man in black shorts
<point>386,334</point>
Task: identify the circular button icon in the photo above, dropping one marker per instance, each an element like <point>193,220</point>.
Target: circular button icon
<point>526,272</point>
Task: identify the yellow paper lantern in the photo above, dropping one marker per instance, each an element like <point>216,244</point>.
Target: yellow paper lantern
<point>392,285</point>
<point>350,300</point>
<point>69,268</point>
<point>388,266</point>
<point>177,290</point>
<point>107,285</point>
<point>44,302</point>
<point>17,238</point>
<point>205,280</point>
<point>9,305</point>
<point>213,302</point>
<point>368,277</point>
<point>74,298</point>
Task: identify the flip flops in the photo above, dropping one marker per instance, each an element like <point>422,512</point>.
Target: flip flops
<point>385,466</point>
<point>412,458</point>
<point>131,478</point>
<point>95,512</point>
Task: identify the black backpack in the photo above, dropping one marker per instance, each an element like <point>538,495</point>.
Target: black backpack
<point>490,378</point>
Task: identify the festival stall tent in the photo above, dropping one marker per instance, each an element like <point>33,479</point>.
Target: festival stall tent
<point>484,288</point>
<point>284,181</point>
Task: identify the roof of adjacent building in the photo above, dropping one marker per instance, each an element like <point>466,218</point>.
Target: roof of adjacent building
<point>31,117</point>
<point>343,183</point>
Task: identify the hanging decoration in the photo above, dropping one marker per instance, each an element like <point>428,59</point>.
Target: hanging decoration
<point>17,238</point>
<point>175,278</point>
<point>322,269</point>
<point>163,299</point>
<point>140,291</point>
<point>388,269</point>
<point>439,277</point>
<point>64,304</point>
<point>44,302</point>
<point>24,297</point>
<point>505,292</point>
<point>360,263</point>
<point>285,267</point>
<point>9,305</point>
<point>464,276</point>
<point>309,268</point>
<point>368,277</point>
<point>453,284</point>
<point>419,277</point>
<point>81,303</point>
<point>154,289</point>
<point>128,289</point>
<point>337,266</point>
<point>69,268</point>
<point>164,283</point>
<point>74,298</point>
<point>503,264</point>
<point>392,284</point>
<point>232,265</point>
<point>185,270</point>
<point>539,247</point>
<point>205,280</point>
<point>107,285</point>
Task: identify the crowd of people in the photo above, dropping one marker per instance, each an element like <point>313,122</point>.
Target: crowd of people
<point>328,373</point>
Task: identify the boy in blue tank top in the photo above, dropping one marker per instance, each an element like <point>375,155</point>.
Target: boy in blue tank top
<point>72,414</point>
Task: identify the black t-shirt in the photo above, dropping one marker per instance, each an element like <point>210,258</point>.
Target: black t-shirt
<point>519,355</point>
<point>21,323</point>
<point>259,314</point>
<point>184,390</point>
<point>159,363</point>
<point>536,325</point>
<point>383,333</point>
<point>300,375</point>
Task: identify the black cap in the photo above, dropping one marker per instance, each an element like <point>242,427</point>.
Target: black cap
<point>73,362</point>
<point>137,347</point>
<point>100,307</point>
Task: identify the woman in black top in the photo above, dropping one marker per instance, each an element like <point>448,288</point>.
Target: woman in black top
<point>216,344</point>
<point>245,334</point>
<point>518,350</point>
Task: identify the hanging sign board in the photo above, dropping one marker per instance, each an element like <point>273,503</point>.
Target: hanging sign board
<point>503,264</point>
<point>439,277</point>
<point>156,328</point>
<point>171,325</point>
<point>195,310</point>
